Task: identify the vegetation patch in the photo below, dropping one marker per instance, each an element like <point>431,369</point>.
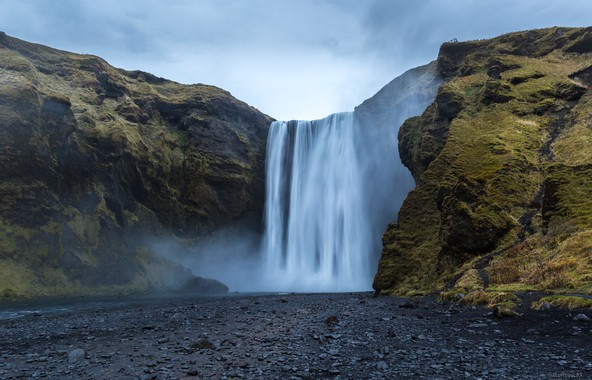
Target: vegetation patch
<point>488,299</point>
<point>503,173</point>
<point>562,302</point>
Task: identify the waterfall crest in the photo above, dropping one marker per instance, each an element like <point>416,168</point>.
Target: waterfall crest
<point>317,237</point>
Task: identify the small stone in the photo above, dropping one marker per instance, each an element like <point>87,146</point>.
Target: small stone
<point>504,312</point>
<point>382,366</point>
<point>582,317</point>
<point>192,372</point>
<point>332,320</point>
<point>76,354</point>
<point>203,344</point>
<point>391,333</point>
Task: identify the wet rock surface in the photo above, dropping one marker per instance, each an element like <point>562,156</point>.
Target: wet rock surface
<point>332,336</point>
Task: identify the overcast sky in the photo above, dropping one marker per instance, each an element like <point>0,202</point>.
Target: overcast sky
<point>292,59</point>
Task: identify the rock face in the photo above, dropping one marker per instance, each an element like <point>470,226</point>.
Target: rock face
<point>93,157</point>
<point>503,167</point>
<point>380,117</point>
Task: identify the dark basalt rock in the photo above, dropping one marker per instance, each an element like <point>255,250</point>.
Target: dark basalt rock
<point>584,76</point>
<point>200,285</point>
<point>496,92</point>
<point>94,157</point>
<point>449,104</point>
<point>502,175</point>
<point>582,43</point>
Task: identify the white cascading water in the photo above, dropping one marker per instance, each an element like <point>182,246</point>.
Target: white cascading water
<point>317,237</point>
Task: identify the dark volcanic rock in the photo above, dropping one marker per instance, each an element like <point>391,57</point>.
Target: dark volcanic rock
<point>94,157</point>
<point>215,338</point>
<point>502,171</point>
<point>380,118</point>
<point>200,285</point>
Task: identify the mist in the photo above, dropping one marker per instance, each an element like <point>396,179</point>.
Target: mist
<point>230,254</point>
<point>386,180</point>
<point>332,187</point>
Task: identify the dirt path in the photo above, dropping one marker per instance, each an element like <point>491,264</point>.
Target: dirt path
<point>317,336</point>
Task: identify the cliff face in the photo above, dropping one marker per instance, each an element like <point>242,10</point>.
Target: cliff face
<point>385,179</point>
<point>93,157</point>
<point>503,169</point>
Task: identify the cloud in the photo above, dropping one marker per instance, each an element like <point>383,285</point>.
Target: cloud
<point>290,59</point>
<point>410,32</point>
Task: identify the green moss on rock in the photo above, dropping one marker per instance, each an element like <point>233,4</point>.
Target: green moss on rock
<point>94,157</point>
<point>501,162</point>
<point>562,302</point>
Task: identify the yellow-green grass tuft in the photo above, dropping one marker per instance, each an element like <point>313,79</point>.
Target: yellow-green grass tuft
<point>563,302</point>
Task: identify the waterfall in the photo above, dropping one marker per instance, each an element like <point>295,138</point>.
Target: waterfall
<point>317,236</point>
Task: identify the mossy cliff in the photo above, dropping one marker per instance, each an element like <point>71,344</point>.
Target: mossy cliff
<point>93,157</point>
<point>502,161</point>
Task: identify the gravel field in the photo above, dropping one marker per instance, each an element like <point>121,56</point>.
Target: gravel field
<point>293,336</point>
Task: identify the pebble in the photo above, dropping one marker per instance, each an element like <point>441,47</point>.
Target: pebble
<point>76,354</point>
<point>582,317</point>
<point>307,337</point>
<point>382,366</point>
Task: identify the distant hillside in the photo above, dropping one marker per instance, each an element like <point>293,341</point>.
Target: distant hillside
<point>94,157</point>
<point>503,166</point>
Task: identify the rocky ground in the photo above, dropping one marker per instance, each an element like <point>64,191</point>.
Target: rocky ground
<point>296,336</point>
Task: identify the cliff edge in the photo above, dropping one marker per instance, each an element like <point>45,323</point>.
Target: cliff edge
<point>503,170</point>
<point>94,157</point>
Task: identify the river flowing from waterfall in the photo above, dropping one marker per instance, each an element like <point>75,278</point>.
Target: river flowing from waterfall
<point>317,237</point>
